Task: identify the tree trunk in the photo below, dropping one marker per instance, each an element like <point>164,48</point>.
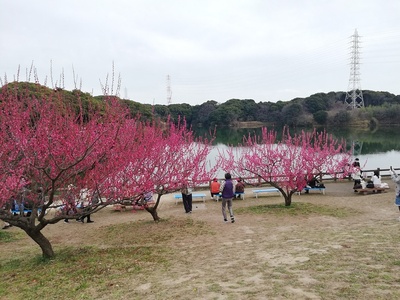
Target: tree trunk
<point>288,199</point>
<point>153,212</point>
<point>286,196</point>
<point>43,242</point>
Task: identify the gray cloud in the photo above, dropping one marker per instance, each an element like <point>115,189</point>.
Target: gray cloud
<point>261,50</point>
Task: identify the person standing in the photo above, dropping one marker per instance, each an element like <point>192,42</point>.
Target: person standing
<point>356,163</point>
<point>214,188</point>
<point>70,205</point>
<point>93,203</point>
<point>396,180</point>
<point>227,190</point>
<point>187,197</point>
<point>357,178</point>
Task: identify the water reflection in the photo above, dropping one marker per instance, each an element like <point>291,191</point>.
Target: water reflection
<point>362,142</point>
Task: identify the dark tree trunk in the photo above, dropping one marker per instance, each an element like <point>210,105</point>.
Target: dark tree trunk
<point>288,200</point>
<point>153,212</point>
<point>43,242</point>
<point>286,196</point>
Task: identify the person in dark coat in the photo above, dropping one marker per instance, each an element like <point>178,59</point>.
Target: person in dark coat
<point>187,197</point>
<point>227,194</point>
<point>239,188</point>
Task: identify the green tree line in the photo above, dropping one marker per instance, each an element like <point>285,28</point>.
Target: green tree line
<point>321,109</point>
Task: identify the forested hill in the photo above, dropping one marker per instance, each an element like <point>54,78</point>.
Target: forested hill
<point>329,109</point>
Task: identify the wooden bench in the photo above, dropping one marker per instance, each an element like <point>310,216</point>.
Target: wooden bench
<point>270,190</point>
<point>371,190</point>
<point>320,189</point>
<point>194,196</point>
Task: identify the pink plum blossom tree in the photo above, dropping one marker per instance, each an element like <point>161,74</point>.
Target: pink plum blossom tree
<point>287,164</point>
<point>46,146</point>
<point>161,158</point>
<point>50,154</point>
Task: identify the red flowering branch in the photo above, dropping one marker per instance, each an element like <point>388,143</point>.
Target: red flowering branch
<point>289,163</point>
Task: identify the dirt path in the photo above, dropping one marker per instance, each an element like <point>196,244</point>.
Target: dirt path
<point>257,255</point>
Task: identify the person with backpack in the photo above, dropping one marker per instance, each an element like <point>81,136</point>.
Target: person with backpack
<point>227,190</point>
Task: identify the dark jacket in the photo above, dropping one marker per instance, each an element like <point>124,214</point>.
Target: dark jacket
<point>239,187</point>
<point>228,189</point>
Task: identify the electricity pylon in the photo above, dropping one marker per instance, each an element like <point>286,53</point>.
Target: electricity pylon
<point>354,97</point>
<point>169,92</point>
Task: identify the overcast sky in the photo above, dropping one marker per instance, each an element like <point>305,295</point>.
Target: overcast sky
<point>211,49</point>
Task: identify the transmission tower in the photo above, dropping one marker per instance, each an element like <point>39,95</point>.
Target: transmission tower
<point>354,97</point>
<point>169,92</point>
<point>356,147</point>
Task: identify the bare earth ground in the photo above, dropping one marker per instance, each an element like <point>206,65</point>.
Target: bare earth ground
<point>260,256</point>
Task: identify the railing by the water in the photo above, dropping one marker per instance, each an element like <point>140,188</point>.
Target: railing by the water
<point>365,174</point>
<point>255,181</point>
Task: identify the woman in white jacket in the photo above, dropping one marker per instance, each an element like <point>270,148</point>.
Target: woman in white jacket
<point>376,179</point>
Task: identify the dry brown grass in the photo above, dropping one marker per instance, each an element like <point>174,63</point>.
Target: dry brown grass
<point>338,246</point>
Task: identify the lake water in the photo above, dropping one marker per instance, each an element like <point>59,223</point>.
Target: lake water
<point>377,149</point>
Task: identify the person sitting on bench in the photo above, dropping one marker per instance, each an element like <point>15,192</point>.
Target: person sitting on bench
<point>376,180</point>
<point>214,188</point>
<point>239,188</point>
<point>313,183</point>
